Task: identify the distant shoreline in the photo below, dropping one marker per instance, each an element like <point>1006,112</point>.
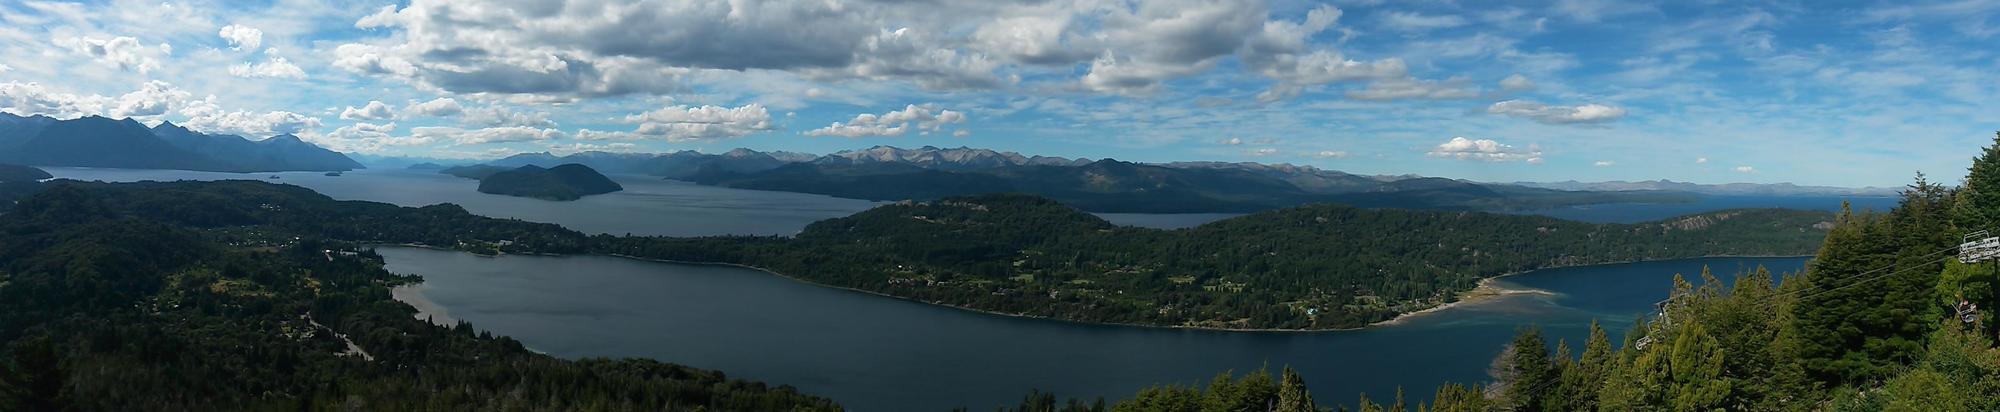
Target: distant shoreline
<point>1484,291</point>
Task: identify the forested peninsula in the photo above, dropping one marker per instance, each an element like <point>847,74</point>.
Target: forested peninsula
<point>1303,268</point>
<point>160,297</point>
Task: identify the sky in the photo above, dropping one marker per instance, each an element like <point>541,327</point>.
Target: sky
<point>1811,92</point>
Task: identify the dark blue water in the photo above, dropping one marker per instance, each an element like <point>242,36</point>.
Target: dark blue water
<point>874,353</point>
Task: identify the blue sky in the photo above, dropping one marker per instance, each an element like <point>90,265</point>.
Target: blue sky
<point>1820,92</point>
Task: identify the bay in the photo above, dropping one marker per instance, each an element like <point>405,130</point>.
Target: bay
<point>873,353</point>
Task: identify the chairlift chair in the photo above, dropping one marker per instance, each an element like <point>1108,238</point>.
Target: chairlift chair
<point>1978,247</point>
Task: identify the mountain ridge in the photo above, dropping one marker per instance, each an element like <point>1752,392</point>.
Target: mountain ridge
<point>97,141</point>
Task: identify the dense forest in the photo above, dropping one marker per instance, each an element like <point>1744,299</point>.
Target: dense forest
<point>151,299</point>
<point>1885,318</point>
<point>1310,267</point>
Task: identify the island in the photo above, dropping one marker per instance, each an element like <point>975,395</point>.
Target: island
<point>561,183</point>
<point>10,173</point>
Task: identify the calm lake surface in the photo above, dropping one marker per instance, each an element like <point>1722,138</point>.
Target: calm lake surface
<point>647,206</point>
<point>872,353</point>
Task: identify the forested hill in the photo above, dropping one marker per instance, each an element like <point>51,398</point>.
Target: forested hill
<point>221,296</point>
<point>1311,267</point>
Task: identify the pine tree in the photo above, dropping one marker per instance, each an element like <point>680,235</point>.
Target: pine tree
<point>1528,371</point>
<point>1589,375</point>
<point>1978,206</point>
<point>1292,394</point>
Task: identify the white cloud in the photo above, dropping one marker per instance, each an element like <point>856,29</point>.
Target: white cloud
<point>374,110</point>
<point>273,66</point>
<point>1588,113</point>
<point>506,134</point>
<point>1485,150</point>
<point>1233,141</point>
<point>1414,89</point>
<point>1262,152</point>
<point>924,119</point>
<point>1604,163</point>
<point>1746,169</point>
<point>573,148</point>
<point>1417,22</point>
<point>1700,160</point>
<point>439,107</point>
<point>1516,83</point>
<point>208,117</point>
<point>496,116</point>
<point>152,99</point>
<point>242,37</point>
<point>28,99</point>
<point>378,133</point>
<point>122,52</point>
<point>1328,154</point>
<point>694,123</point>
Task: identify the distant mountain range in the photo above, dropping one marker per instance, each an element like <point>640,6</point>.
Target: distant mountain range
<point>1729,189</point>
<point>96,141</point>
<point>1107,185</point>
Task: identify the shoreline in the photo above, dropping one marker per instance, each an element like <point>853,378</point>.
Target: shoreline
<point>1484,291</point>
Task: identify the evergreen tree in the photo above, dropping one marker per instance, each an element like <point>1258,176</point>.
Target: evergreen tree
<point>1293,395</point>
<point>1978,205</point>
<point>1452,397</point>
<point>1528,371</point>
<point>1587,378</point>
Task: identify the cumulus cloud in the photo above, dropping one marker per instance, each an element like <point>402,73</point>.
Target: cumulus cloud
<point>152,99</point>
<point>122,52</point>
<point>496,116</point>
<point>439,107</point>
<point>28,99</point>
<point>1233,141</point>
<point>242,37</point>
<point>1604,163</point>
<point>693,123</point>
<point>1700,160</point>
<point>1280,51</point>
<point>207,116</point>
<point>374,110</point>
<point>1746,169</point>
<point>924,119</point>
<point>905,53</point>
<point>1486,150</point>
<point>1517,83</point>
<point>273,66</point>
<point>1527,109</point>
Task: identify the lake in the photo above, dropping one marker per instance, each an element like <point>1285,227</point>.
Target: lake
<point>872,353</point>
<point>648,206</point>
<point>654,207</point>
